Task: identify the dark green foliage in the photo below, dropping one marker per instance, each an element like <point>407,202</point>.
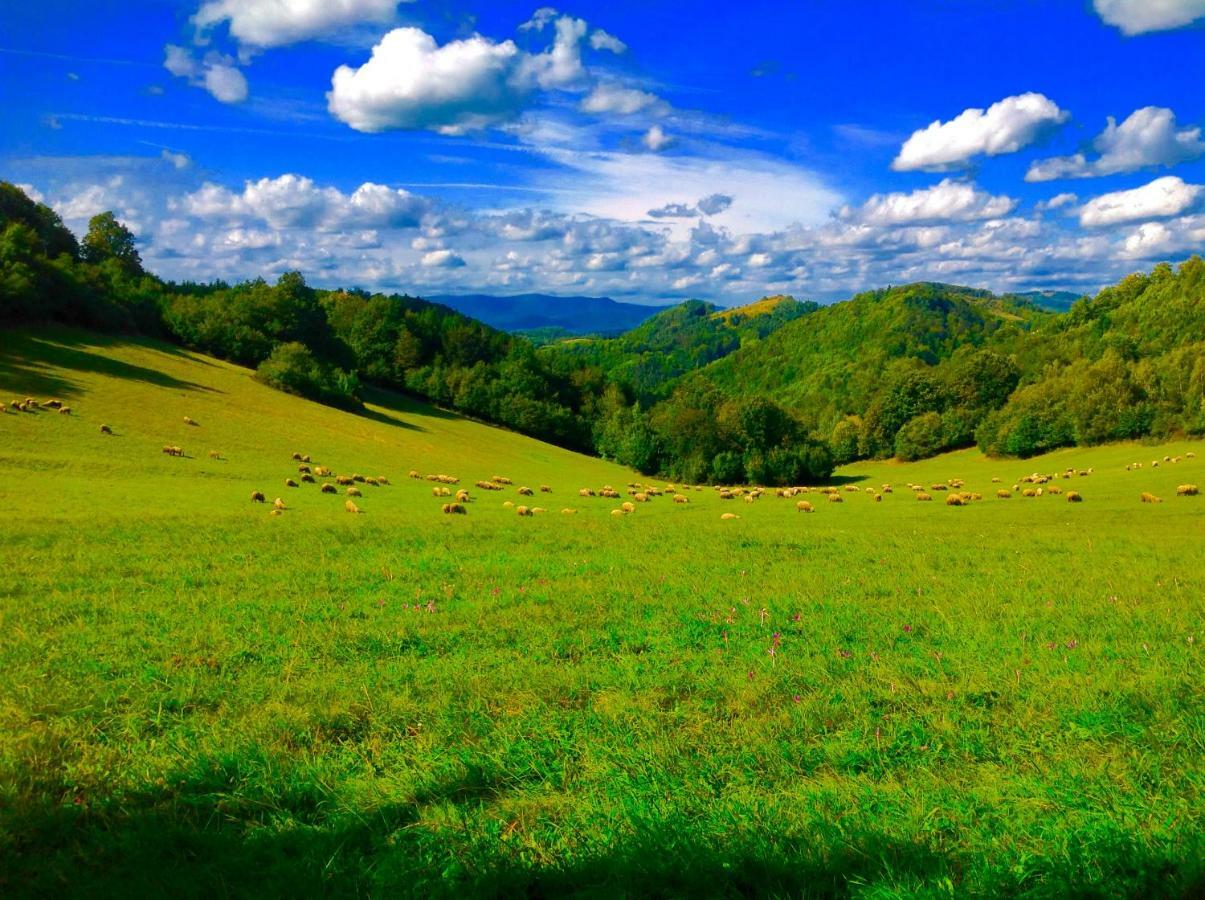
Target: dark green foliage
<point>293,368</point>
<point>107,239</point>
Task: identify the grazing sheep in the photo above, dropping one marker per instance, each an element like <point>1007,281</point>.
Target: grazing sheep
<point>322,471</point>
<point>188,421</point>
<point>440,492</point>
<point>922,496</point>
<point>545,489</point>
<point>585,492</point>
<point>343,480</point>
<point>628,506</point>
<point>289,482</point>
<point>727,516</point>
<point>610,494</point>
<point>1030,492</point>
<point>276,512</point>
<point>257,497</point>
<point>955,500</point>
<point>1148,497</point>
<point>382,480</point>
<point>500,479</point>
<point>278,504</point>
<point>1054,489</point>
<point>215,454</point>
<point>525,492</point>
<point>619,512</point>
<point>105,429</point>
<point>350,507</point>
<point>414,474</point>
<point>303,469</point>
<point>538,510</point>
<point>568,512</point>
<point>64,410</point>
<point>359,478</point>
<point>640,497</point>
<point>372,481</point>
<point>1187,490</point>
<point>462,496</point>
<point>681,498</point>
<point>751,498</point>
<point>308,479</point>
<point>995,479</point>
<point>1190,455</point>
<point>852,489</point>
<point>938,487</point>
<point>523,511</point>
<point>1003,494</point>
<point>804,506</point>
<point>329,488</point>
<point>1074,497</point>
<point>878,498</point>
<point>835,498</point>
<point>508,504</point>
<point>51,404</point>
<point>305,457</point>
<point>296,457</point>
<point>172,450</point>
<point>453,509</point>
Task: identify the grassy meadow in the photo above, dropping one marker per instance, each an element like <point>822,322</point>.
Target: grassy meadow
<point>872,700</point>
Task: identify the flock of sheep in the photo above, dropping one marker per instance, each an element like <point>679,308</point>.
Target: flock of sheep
<point>444,487</point>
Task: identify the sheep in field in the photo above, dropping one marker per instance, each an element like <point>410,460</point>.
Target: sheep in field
<point>372,481</point>
<point>585,492</point>
<point>500,479</point>
<point>296,457</point>
<point>359,478</point>
<point>453,509</point>
<point>568,512</point>
<point>525,492</point>
<point>1030,492</point>
<point>440,492</point>
<point>1003,494</point>
<point>1074,497</point>
<point>729,516</point>
<point>289,482</point>
<point>1148,497</point>
<point>415,474</point>
<point>922,496</point>
<point>278,504</point>
<point>628,506</point>
<point>329,488</point>
<point>835,498</point>
<point>462,496</point>
<point>538,510</point>
<point>214,454</point>
<point>804,506</point>
<point>351,507</point>
<point>303,469</point>
<point>681,498</point>
<point>523,511</point>
<point>64,410</point>
<point>545,489</point>
<point>188,421</point>
<point>1186,490</point>
<point>105,429</point>
<point>276,512</point>
<point>343,480</point>
<point>305,457</point>
<point>619,512</point>
<point>308,479</point>
<point>382,480</point>
<point>878,498</point>
<point>257,497</point>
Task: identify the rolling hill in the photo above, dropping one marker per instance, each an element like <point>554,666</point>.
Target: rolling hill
<point>531,312</point>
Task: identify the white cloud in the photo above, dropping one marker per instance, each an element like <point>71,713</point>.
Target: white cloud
<point>179,160</point>
<point>410,82</point>
<point>949,201</point>
<point>1148,137</point>
<point>611,98</point>
<point>1140,16</point>
<point>1150,237</point>
<point>601,40</point>
<point>215,73</point>
<point>1163,197</point>
<point>656,139</point>
<point>714,204</point>
<point>275,23</point>
<point>442,259</point>
<point>1004,127</point>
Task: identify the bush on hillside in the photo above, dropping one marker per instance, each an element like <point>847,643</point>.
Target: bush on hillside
<point>292,368</point>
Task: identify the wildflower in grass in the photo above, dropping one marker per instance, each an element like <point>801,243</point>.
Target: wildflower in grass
<point>797,698</point>
<point>798,616</point>
<point>751,676</point>
<point>1072,644</point>
<point>777,639</point>
<point>494,592</point>
<point>907,629</point>
<point>764,615</point>
<point>771,651</point>
<point>845,654</point>
<point>874,656</point>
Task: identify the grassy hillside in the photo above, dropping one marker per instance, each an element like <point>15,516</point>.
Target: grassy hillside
<point>875,699</point>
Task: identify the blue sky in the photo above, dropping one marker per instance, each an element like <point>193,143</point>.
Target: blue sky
<point>647,151</point>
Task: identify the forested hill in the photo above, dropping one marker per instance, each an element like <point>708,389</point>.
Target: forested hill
<point>531,312</point>
<point>645,361</point>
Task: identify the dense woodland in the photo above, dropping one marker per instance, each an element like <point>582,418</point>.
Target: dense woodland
<point>775,392</point>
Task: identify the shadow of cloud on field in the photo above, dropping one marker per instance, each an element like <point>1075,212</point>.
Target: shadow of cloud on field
<point>26,368</point>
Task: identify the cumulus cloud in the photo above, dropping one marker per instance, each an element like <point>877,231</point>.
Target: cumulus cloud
<point>656,139</point>
<point>1162,198</point>
<point>714,204</point>
<point>674,211</point>
<point>1147,138</point>
<point>442,259</point>
<point>1140,16</point>
<point>1004,127</point>
<point>613,98</point>
<point>275,23</point>
<point>410,82</point>
<point>178,160</point>
<point>601,40</point>
<point>216,73</point>
<point>949,201</point>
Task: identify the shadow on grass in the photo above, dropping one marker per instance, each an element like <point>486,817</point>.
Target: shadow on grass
<point>215,835</point>
<point>26,360</point>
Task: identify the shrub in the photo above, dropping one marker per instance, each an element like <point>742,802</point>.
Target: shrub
<point>293,368</point>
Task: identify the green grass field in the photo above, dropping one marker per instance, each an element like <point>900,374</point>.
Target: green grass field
<point>872,700</point>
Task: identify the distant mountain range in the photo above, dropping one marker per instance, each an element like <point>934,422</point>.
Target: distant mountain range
<point>1055,301</point>
<point>528,312</point>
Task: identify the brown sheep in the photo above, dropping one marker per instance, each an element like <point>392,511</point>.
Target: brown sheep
<point>303,469</point>
<point>878,498</point>
<point>51,404</point>
<point>523,511</point>
<point>804,506</point>
<point>359,478</point>
<point>257,497</point>
<point>681,498</point>
<point>938,487</point>
<point>545,489</point>
<point>382,480</point>
<point>922,496</point>
<point>188,421</point>
<point>105,429</point>
<point>372,481</point>
<point>278,504</point>
<point>453,509</point>
<point>1074,497</point>
<point>728,516</point>
<point>329,488</point>
<point>64,410</point>
<point>525,492</point>
<point>955,500</point>
<point>1003,494</point>
<point>296,457</point>
<point>351,507</point>
<point>343,480</point>
<point>886,489</point>
<point>289,482</point>
<point>1148,497</point>
<point>1187,490</point>
<point>308,479</point>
